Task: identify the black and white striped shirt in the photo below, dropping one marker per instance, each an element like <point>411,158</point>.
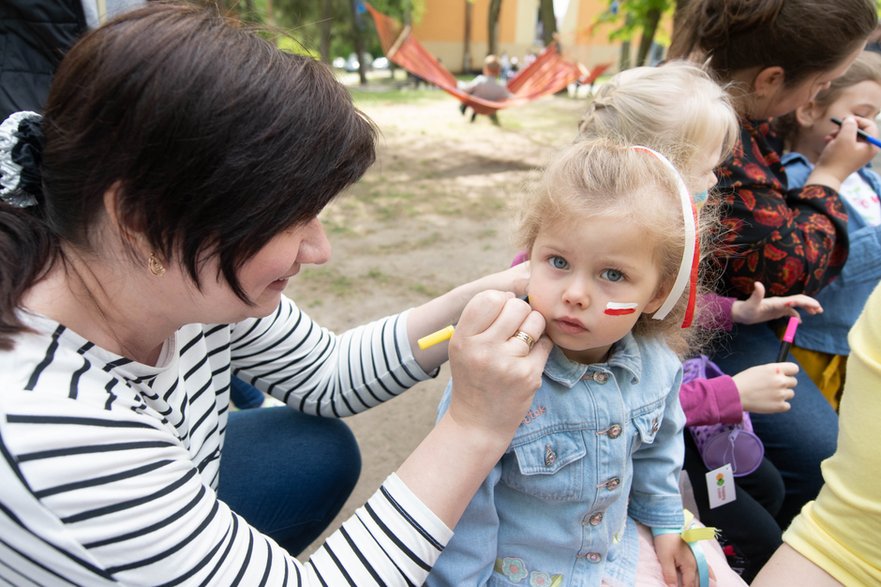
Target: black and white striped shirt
<point>109,467</point>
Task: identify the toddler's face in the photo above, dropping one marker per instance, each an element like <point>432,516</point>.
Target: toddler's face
<point>703,176</point>
<point>591,278</point>
<point>862,99</point>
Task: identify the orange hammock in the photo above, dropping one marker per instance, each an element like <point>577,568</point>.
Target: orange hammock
<point>548,74</point>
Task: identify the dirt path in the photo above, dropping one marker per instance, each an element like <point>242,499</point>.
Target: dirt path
<point>433,212</point>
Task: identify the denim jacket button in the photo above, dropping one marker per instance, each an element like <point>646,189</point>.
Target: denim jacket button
<point>600,377</point>
<point>550,455</point>
<point>655,425</point>
<point>595,519</point>
<point>613,483</point>
<point>614,431</point>
<point>594,557</point>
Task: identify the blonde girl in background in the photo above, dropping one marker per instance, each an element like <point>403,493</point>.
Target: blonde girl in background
<point>611,236</point>
<point>822,347</point>
<point>676,109</point>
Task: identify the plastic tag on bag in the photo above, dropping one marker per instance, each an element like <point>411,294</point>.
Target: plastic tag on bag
<point>720,486</point>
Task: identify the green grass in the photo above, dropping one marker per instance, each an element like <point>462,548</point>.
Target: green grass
<point>388,94</point>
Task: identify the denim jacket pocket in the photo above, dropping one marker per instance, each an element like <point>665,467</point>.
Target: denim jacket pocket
<point>559,455</point>
<point>647,423</point>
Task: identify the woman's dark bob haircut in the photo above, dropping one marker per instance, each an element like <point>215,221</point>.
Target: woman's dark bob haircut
<point>216,140</point>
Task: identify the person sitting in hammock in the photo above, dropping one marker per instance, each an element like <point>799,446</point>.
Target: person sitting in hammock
<point>487,87</point>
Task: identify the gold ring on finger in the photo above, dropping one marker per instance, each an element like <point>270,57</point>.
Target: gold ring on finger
<point>525,337</point>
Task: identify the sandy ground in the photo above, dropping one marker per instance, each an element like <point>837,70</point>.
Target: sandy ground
<point>434,211</point>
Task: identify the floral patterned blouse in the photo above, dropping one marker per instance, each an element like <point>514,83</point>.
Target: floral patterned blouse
<point>793,241</point>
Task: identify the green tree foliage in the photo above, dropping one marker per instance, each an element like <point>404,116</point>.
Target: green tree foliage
<point>326,27</point>
<point>637,18</point>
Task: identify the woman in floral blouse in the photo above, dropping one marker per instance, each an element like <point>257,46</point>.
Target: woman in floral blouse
<point>776,55</point>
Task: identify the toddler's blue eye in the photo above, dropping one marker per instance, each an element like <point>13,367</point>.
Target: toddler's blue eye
<point>612,275</point>
<point>558,262</point>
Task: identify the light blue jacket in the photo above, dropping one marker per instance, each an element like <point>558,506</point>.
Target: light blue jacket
<point>600,442</point>
<point>844,298</point>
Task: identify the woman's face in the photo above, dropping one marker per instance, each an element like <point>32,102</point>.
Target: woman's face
<point>264,276</point>
<point>782,99</point>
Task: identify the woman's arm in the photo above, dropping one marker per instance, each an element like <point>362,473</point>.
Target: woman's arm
<point>316,371</point>
<point>788,567</point>
<point>130,505</point>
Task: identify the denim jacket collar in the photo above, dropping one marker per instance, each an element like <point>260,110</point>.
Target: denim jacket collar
<point>624,355</point>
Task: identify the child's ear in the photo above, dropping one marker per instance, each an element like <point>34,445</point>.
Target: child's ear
<point>807,114</point>
<point>658,299</point>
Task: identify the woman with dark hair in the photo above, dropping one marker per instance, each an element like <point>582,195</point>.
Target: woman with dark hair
<point>775,55</point>
<point>148,226</point>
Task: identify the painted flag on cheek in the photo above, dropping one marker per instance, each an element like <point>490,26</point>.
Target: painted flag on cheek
<point>620,308</point>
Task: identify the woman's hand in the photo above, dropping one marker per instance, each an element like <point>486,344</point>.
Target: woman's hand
<point>495,375</point>
<point>844,153</point>
<point>757,308</point>
<point>447,309</point>
<point>767,389</point>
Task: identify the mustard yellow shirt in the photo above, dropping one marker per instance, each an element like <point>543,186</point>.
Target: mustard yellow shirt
<point>841,530</point>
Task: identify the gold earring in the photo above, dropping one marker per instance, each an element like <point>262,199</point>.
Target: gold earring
<point>155,265</point>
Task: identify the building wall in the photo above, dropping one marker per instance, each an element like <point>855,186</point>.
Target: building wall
<point>442,31</point>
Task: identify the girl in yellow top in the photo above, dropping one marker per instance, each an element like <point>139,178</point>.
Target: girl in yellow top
<point>836,539</point>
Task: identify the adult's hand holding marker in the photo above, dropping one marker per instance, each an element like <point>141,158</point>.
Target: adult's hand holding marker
<point>495,374</point>
<point>861,133</point>
<point>844,153</point>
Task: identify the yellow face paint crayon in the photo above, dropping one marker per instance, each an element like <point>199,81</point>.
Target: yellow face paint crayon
<point>436,337</point>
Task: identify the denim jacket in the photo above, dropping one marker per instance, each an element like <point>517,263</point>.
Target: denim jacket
<point>600,443</point>
<point>844,298</point>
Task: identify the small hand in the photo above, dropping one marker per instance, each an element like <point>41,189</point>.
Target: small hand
<point>767,389</point>
<point>757,308</point>
<point>676,559</point>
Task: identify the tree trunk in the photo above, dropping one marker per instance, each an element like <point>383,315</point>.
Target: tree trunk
<point>466,54</point>
<point>624,54</point>
<point>250,13</point>
<point>358,38</point>
<point>324,30</point>
<point>270,13</point>
<point>548,21</point>
<point>495,7</point>
<point>649,27</point>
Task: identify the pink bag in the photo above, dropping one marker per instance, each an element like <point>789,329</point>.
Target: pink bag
<point>718,444</point>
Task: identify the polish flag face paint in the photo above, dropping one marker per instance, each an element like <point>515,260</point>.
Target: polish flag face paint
<point>620,309</point>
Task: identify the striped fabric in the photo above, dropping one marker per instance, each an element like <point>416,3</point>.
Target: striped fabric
<point>109,467</point>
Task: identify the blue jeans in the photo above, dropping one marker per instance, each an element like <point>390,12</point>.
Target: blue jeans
<point>288,474</point>
<point>245,396</point>
<point>795,441</point>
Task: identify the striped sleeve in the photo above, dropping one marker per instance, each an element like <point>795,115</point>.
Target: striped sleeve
<point>102,497</point>
<point>318,372</point>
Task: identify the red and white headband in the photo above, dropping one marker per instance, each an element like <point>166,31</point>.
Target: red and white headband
<point>688,266</point>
